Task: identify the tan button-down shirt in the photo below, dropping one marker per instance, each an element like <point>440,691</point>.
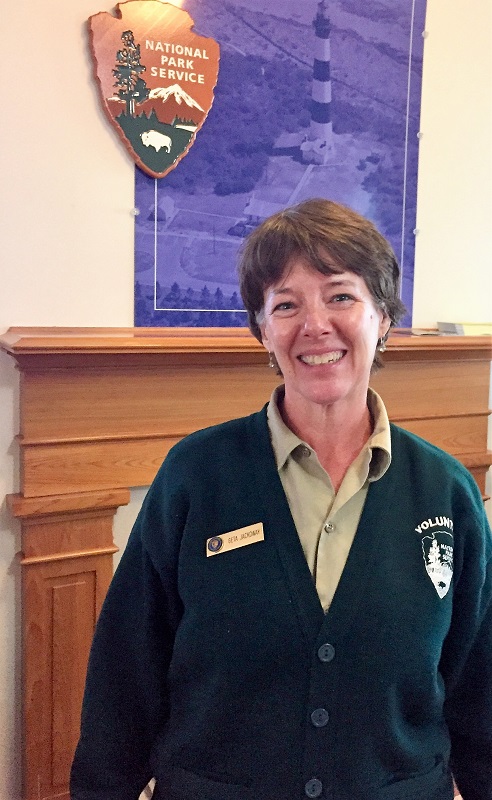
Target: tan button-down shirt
<point>327,521</point>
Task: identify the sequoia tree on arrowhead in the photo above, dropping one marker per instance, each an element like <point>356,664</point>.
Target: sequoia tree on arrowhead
<point>127,73</point>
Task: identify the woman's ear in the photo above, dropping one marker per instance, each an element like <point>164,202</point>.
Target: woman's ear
<point>264,337</point>
<point>260,320</point>
<point>384,325</point>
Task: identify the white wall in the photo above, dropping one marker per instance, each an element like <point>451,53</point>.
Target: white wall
<point>67,228</point>
<point>453,273</point>
<point>66,258</point>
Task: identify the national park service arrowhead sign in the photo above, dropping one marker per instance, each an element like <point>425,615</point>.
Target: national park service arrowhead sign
<point>156,79</point>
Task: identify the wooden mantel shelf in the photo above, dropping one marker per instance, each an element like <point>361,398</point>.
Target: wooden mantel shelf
<point>52,341</point>
<point>99,410</point>
<point>122,340</point>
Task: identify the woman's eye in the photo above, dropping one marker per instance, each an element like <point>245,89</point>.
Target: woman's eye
<point>286,306</point>
<point>342,298</point>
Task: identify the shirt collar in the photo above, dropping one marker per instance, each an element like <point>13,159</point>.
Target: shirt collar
<point>285,442</point>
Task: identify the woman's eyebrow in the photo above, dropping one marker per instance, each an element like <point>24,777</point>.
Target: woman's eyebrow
<point>337,282</point>
<point>341,282</point>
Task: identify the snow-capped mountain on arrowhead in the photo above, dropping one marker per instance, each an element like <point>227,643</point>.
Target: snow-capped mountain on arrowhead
<point>180,96</point>
<point>170,102</point>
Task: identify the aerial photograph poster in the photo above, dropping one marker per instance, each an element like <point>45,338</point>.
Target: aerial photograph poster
<point>313,99</point>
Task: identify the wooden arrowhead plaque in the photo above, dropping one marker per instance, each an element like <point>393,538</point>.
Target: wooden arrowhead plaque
<point>156,79</point>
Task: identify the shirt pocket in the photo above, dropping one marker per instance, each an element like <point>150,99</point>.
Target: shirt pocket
<point>181,784</point>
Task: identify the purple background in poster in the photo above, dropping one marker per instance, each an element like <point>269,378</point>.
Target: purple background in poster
<point>190,224</point>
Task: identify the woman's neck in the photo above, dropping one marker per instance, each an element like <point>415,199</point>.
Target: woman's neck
<point>337,433</point>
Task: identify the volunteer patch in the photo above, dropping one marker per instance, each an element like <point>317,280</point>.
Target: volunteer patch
<point>437,549</point>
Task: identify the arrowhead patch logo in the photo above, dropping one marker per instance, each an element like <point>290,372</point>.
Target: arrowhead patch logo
<point>437,549</point>
<point>156,79</point>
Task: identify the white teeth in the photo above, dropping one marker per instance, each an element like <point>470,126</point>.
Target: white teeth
<point>326,358</point>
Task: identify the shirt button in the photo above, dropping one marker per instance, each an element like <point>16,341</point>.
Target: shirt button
<point>305,451</point>
<point>313,788</point>
<point>326,652</point>
<point>320,717</point>
<point>329,526</point>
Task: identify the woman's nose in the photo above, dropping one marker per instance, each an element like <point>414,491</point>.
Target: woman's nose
<point>317,320</point>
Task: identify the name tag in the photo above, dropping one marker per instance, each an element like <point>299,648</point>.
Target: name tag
<point>234,539</point>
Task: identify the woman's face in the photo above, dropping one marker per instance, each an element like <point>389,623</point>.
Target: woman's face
<point>323,330</point>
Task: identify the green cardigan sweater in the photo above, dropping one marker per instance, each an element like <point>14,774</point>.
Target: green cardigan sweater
<point>222,677</point>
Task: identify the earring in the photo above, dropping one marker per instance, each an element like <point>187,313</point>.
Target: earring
<point>381,345</point>
<point>272,361</point>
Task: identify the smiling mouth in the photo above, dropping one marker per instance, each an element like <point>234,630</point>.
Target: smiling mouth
<point>326,358</point>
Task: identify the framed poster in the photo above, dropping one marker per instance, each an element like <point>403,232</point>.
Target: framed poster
<point>313,99</point>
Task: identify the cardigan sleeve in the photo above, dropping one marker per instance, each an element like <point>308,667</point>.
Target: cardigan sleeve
<point>467,657</point>
<point>471,731</point>
<point>125,701</point>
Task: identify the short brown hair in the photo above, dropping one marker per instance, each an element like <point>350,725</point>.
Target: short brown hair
<point>316,229</point>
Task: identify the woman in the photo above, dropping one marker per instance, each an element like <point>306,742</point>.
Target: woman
<point>285,621</point>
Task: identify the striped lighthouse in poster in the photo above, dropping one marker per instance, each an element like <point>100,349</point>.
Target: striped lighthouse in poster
<point>318,148</point>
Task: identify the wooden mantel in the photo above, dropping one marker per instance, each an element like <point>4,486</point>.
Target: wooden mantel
<point>99,410</point>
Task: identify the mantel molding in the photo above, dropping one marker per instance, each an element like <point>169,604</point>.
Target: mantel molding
<point>99,410</point>
<point>22,342</point>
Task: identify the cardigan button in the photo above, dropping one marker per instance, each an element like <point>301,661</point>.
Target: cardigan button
<point>326,652</point>
<point>313,788</point>
<point>320,717</point>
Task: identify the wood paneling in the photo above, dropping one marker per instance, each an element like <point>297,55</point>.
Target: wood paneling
<point>60,607</point>
<point>67,550</point>
<point>99,409</point>
<point>58,405</point>
<point>88,466</point>
<point>416,389</point>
